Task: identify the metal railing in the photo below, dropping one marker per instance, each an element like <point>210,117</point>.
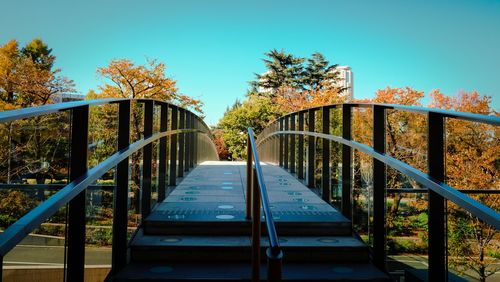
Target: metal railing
<point>189,141</point>
<point>277,144</point>
<point>257,195</point>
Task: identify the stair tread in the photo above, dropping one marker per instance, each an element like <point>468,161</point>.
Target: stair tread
<point>233,271</point>
<point>243,241</point>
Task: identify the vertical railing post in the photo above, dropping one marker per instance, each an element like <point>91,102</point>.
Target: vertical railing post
<point>346,162</point>
<point>173,148</point>
<point>310,150</point>
<point>182,125</point>
<point>300,168</point>
<point>325,171</point>
<point>292,143</point>
<point>162,154</point>
<point>249,179</point>
<point>196,141</point>
<point>186,141</point>
<point>287,137</point>
<point>281,143</point>
<point>274,265</point>
<point>256,228</point>
<point>193,135</point>
<point>435,158</point>
<point>147,156</point>
<point>120,205</point>
<point>76,209</point>
<point>379,185</point>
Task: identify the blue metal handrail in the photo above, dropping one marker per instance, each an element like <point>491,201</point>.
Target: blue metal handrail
<point>30,221</point>
<point>13,115</point>
<point>188,146</point>
<point>274,253</point>
<point>281,148</point>
<point>493,120</point>
<point>476,208</point>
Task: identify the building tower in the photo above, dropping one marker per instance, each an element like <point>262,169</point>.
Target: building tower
<point>346,80</point>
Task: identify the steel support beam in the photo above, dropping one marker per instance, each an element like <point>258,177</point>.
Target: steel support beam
<point>437,236</point>
<point>162,154</point>
<point>346,162</point>
<point>182,125</point>
<point>173,148</point>
<point>76,213</point>
<point>300,167</point>
<point>147,157</point>
<point>379,184</point>
<point>310,150</point>
<point>325,171</point>
<point>120,207</point>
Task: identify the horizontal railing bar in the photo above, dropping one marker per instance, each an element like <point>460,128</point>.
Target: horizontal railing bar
<point>488,119</point>
<point>13,115</point>
<point>425,190</point>
<point>493,120</point>
<point>271,229</point>
<point>6,186</point>
<point>477,209</point>
<point>21,228</point>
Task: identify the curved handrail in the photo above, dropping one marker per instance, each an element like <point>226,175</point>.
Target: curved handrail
<point>22,227</point>
<point>477,209</point>
<point>271,229</point>
<point>12,115</point>
<point>493,120</point>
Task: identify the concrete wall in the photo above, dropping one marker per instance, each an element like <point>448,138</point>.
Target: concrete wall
<point>95,273</point>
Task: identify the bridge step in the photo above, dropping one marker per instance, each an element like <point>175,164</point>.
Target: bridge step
<point>235,271</point>
<point>238,248</point>
<point>156,226</point>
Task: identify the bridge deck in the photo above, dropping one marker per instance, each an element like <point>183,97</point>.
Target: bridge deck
<point>216,191</point>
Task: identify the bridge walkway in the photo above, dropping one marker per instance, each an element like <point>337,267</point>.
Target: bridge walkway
<point>201,225</point>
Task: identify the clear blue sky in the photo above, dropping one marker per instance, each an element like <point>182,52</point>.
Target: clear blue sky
<point>212,48</point>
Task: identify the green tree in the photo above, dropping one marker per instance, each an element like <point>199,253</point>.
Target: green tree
<point>126,79</point>
<point>27,78</point>
<point>39,53</point>
<point>319,74</point>
<point>13,205</point>
<point>283,70</point>
<point>256,112</point>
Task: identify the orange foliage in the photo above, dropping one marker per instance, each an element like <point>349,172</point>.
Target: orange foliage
<point>143,81</point>
<point>220,145</point>
<point>290,99</point>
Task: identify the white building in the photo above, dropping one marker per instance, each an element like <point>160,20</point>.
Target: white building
<point>346,81</point>
<point>65,97</point>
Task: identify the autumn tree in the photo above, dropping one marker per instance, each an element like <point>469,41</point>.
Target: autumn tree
<point>472,158</point>
<point>406,139</point>
<point>220,145</point>
<point>27,78</point>
<point>125,79</point>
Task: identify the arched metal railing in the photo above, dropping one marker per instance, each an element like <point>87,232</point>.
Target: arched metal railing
<point>257,194</point>
<point>277,144</point>
<point>190,142</point>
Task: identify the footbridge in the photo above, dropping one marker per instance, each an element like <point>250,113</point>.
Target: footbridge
<point>286,212</point>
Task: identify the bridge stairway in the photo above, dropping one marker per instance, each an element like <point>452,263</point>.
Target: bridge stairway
<point>199,233</point>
